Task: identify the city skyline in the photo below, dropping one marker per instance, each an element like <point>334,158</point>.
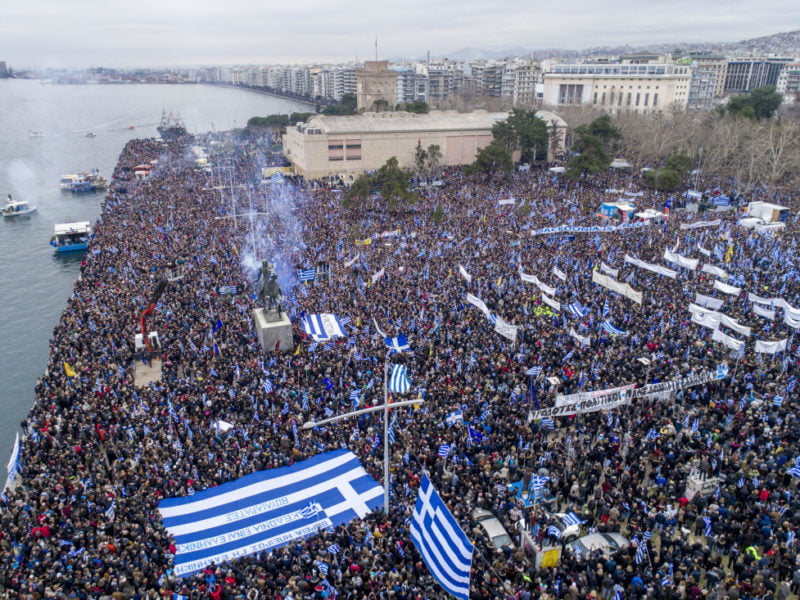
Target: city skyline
<point>86,33</point>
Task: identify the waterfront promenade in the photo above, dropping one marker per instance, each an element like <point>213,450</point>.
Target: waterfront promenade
<point>99,454</point>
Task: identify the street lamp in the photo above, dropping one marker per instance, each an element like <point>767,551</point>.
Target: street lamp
<point>385,408</point>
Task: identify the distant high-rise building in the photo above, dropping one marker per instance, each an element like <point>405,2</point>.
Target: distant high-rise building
<point>375,83</point>
<point>789,81</point>
<point>747,74</point>
<point>708,80</point>
<point>3,70</point>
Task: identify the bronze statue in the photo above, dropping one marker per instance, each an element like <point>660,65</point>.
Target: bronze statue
<point>269,294</point>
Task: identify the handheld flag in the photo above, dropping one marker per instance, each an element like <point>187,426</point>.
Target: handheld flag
<point>398,381</point>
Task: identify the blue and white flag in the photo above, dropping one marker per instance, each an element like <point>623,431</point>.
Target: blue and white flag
<point>794,471</point>
<point>534,371</point>
<point>322,326</point>
<point>553,531</point>
<point>355,398</point>
<point>446,551</point>
<point>267,509</point>
<point>707,521</point>
<point>454,417</point>
<point>13,463</point>
<point>306,274</point>
<point>722,371</point>
<point>570,519</point>
<point>609,328</point>
<point>538,482</point>
<point>398,380</point>
<point>397,344</point>
<point>577,310</point>
<point>547,423</point>
<point>444,450</point>
<point>777,401</point>
<point>475,436</point>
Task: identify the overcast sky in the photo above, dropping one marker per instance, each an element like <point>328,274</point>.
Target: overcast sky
<point>149,33</point>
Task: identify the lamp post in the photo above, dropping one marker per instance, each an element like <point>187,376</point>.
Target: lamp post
<point>372,409</point>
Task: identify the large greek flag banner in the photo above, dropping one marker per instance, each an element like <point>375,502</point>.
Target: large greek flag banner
<point>447,552</point>
<point>267,509</point>
<point>322,326</point>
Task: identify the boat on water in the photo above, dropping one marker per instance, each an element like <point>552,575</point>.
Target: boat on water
<point>66,181</point>
<point>17,208</point>
<point>83,183</point>
<point>171,126</point>
<point>71,237</point>
<point>90,134</point>
<point>36,134</point>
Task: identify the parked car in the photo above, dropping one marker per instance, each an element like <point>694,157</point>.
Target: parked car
<point>607,543</point>
<point>493,528</point>
<point>569,533</point>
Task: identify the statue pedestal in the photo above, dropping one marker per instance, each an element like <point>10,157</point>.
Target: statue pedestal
<point>273,331</point>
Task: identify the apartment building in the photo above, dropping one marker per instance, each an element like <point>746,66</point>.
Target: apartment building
<point>749,73</point>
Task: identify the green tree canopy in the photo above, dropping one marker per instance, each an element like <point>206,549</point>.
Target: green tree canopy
<point>419,107</point>
<point>663,179</point>
<point>345,106</point>
<point>494,158</point>
<point>392,182</point>
<point>680,163</point>
<point>595,142</point>
<point>522,131</point>
<point>760,103</point>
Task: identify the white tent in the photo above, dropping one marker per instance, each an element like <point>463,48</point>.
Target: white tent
<point>620,163</point>
<point>557,169</point>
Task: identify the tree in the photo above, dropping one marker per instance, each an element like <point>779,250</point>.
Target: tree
<point>392,182</point>
<point>420,158</point>
<point>522,131</point>
<point>594,141</point>
<point>663,179</point>
<point>419,107</point>
<point>494,158</point>
<point>434,159</point>
<point>679,163</point>
<point>296,117</point>
<point>380,105</point>
<point>345,106</point>
<point>760,103</point>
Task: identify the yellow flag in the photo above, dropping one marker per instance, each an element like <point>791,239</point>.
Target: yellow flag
<point>296,352</point>
<point>236,250</point>
<point>358,321</point>
<point>729,254</point>
<point>365,242</point>
<point>499,281</point>
<point>69,370</point>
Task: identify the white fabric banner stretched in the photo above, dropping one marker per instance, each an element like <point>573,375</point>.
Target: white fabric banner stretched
<point>651,267</point>
<point>701,224</point>
<point>709,302</point>
<point>480,304</point>
<point>583,340</point>
<point>724,338</point>
<point>507,330</point>
<point>764,312</point>
<point>559,273</point>
<point>528,278</point>
<point>793,323</point>
<point>463,272</point>
<point>703,251</point>
<point>792,312</point>
<point>710,320</point>
<point>606,269</point>
<point>727,289</point>
<point>589,229</point>
<point>507,201</point>
<point>616,286</point>
<point>712,270</point>
<point>771,302</point>
<point>378,275</point>
<point>770,347</point>
<point>535,280</point>
<point>555,304</point>
<point>689,263</point>
<point>352,261</point>
<point>734,324</point>
<point>572,399</point>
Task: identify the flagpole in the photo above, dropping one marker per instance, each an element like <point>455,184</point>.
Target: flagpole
<point>386,431</point>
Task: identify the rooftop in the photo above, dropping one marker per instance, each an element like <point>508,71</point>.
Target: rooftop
<point>435,120</point>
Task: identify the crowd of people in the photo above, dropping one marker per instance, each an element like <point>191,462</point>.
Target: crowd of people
<point>100,452</point>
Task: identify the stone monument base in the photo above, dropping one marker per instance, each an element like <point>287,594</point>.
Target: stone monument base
<point>274,332</point>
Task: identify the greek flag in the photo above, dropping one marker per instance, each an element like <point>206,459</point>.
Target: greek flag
<point>609,328</point>
<point>606,309</point>
<point>397,344</point>
<point>777,401</point>
<point>538,482</point>
<point>547,423</point>
<point>322,326</point>
<point>323,567</point>
<point>14,465</point>
<point>553,531</point>
<point>398,381</point>
<point>354,398</point>
<point>444,450</point>
<point>640,553</point>
<point>791,384</point>
<point>446,551</point>
<point>334,548</point>
<point>567,356</point>
<point>795,470</point>
<point>454,417</point>
<point>306,274</point>
<point>652,435</point>
<point>267,509</point>
<point>576,310</point>
<point>570,519</point>
<point>707,521</point>
<point>534,371</point>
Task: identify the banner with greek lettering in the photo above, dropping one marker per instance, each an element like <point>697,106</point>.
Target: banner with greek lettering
<point>651,267</point>
<point>708,301</point>
<point>592,229</point>
<point>267,509</point>
<point>475,301</point>
<point>726,289</point>
<point>507,330</point>
<point>587,402</point>
<point>770,347</point>
<point>616,286</point>
<point>701,224</point>
<point>689,263</point>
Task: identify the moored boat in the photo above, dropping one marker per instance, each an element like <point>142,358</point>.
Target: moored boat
<point>67,180</point>
<point>71,237</point>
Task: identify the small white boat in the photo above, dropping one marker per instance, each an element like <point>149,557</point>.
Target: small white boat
<point>36,134</point>
<point>67,180</point>
<point>71,237</point>
<point>17,209</point>
<point>90,134</point>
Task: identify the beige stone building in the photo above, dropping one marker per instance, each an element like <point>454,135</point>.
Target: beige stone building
<point>615,87</point>
<point>347,146</point>
<point>375,82</point>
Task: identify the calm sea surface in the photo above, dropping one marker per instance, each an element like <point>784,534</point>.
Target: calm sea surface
<point>34,283</point>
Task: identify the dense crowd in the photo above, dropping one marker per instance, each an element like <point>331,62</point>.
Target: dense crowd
<point>99,453</point>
